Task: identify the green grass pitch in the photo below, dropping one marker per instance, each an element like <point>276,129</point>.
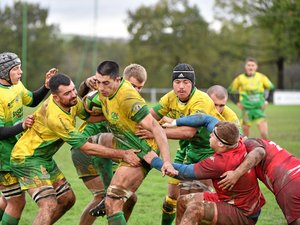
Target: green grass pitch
<point>284,128</point>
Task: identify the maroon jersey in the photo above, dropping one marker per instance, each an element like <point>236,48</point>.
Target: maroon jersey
<point>280,172</point>
<point>246,194</point>
<point>278,167</point>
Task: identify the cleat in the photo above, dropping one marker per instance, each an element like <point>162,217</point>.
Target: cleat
<point>99,209</point>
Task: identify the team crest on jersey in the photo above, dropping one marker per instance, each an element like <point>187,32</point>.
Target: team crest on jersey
<point>136,107</point>
<point>114,116</point>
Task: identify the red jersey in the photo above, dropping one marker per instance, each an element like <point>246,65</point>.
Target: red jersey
<point>246,194</point>
<point>278,167</point>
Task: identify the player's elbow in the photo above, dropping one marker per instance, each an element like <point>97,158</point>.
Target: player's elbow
<point>261,152</point>
<point>188,133</point>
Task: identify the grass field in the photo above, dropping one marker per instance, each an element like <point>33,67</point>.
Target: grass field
<point>284,128</point>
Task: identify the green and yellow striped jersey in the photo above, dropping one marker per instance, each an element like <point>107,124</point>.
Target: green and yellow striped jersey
<point>52,127</point>
<point>123,111</point>
<point>251,89</point>
<point>199,102</point>
<point>11,113</point>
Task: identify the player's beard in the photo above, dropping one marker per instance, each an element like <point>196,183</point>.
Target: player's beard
<point>72,102</point>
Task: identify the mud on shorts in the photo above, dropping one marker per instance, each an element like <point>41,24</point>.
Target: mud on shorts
<point>83,163</point>
<point>8,178</point>
<point>36,172</point>
<point>227,213</point>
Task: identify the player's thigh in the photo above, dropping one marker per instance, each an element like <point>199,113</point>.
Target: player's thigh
<point>289,200</point>
<point>229,214</point>
<point>128,177</point>
<point>190,199</point>
<point>93,182</point>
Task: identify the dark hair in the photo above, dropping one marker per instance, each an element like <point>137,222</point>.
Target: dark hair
<point>109,68</point>
<point>57,80</point>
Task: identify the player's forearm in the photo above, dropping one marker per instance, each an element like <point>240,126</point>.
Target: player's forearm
<point>162,142</point>
<point>6,132</point>
<point>185,172</point>
<point>39,95</point>
<point>251,160</point>
<point>198,120</point>
<point>102,151</point>
<point>180,133</point>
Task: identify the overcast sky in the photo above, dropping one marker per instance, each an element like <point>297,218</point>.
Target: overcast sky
<point>79,16</point>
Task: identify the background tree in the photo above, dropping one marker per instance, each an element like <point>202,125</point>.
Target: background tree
<point>168,33</point>
<point>164,34</point>
<point>279,19</point>
<point>43,48</point>
<point>76,56</point>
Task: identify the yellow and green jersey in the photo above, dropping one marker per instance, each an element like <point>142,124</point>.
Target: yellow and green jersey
<point>11,113</point>
<point>169,105</point>
<point>230,116</point>
<point>123,111</point>
<point>52,127</point>
<point>251,89</point>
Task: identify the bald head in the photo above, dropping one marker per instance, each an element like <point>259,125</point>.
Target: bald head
<point>219,95</point>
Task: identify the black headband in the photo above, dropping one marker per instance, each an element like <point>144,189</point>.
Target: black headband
<point>184,74</point>
<point>220,139</point>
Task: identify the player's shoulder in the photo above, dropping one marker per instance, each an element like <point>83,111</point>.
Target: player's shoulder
<point>260,75</point>
<point>200,97</point>
<point>200,93</point>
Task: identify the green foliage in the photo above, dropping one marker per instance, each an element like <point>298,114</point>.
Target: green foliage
<point>162,35</point>
<point>168,33</point>
<point>83,54</point>
<point>279,24</point>
<point>284,128</point>
<point>43,51</point>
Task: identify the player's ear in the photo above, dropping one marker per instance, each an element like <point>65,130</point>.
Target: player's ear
<point>55,97</point>
<point>220,144</point>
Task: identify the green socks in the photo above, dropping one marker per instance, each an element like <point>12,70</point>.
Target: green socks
<point>167,218</point>
<point>116,219</point>
<point>169,211</point>
<point>9,220</point>
<point>1,214</point>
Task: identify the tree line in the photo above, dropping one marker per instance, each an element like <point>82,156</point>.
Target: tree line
<point>162,35</point>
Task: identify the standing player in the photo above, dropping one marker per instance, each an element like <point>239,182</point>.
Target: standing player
<point>13,96</point>
<point>124,109</point>
<point>137,76</point>
<point>89,167</point>
<point>185,99</point>
<point>251,87</point>
<point>277,169</point>
<point>32,156</point>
